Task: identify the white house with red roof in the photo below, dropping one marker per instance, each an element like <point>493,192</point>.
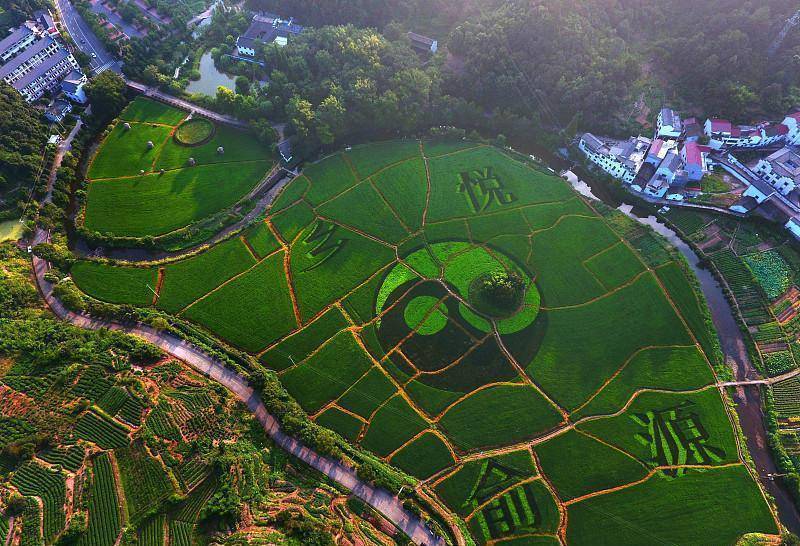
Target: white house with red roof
<point>792,123</point>
<point>695,160</point>
<point>723,134</point>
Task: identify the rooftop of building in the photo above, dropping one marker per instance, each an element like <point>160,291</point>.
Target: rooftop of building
<point>786,162</point>
<point>41,69</point>
<point>670,117</point>
<point>27,54</point>
<point>420,39</point>
<point>18,34</point>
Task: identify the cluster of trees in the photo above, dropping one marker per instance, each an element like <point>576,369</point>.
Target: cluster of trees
<point>581,63</point>
<point>22,140</point>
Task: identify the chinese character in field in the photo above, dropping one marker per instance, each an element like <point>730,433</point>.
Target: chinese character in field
<point>676,437</point>
<point>322,245</point>
<point>482,188</point>
<point>504,509</point>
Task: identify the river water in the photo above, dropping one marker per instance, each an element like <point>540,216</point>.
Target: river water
<point>748,399</point>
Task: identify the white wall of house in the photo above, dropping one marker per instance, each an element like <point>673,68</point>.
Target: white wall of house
<point>783,184</point>
<point>610,164</point>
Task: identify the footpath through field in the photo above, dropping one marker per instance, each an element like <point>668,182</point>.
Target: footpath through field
<point>381,500</point>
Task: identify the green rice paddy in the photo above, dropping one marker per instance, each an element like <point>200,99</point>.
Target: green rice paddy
<point>588,414</point>
<point>144,183</point>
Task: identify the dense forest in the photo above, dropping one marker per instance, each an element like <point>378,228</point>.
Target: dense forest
<point>22,139</point>
<point>558,59</point>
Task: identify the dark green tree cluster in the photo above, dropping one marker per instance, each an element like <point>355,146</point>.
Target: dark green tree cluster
<point>338,83</point>
<point>22,139</point>
<point>499,293</point>
<point>559,62</point>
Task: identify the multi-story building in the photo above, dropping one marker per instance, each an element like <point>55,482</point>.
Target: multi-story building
<point>15,42</point>
<point>792,123</point>
<point>668,124</point>
<point>72,85</point>
<point>695,160</point>
<point>621,160</point>
<point>781,170</point>
<point>37,65</point>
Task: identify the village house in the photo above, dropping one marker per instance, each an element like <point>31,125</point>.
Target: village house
<point>72,86</point>
<point>781,170</point>
<point>58,110</point>
<point>668,124</point>
<point>621,160</point>
<point>695,160</point>
<point>667,173</point>
<point>692,130</point>
<point>723,134</point>
<point>423,43</point>
<point>792,123</point>
<point>265,29</point>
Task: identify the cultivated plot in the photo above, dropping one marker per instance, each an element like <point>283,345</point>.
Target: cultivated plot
<point>156,172</point>
<point>471,320</point>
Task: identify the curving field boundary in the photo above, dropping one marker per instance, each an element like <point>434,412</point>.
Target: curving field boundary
<point>381,500</point>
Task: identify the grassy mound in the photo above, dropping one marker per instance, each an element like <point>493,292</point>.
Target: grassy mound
<point>194,132</point>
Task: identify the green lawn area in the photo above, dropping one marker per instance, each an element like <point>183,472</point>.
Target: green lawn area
<point>424,456</point>
<point>601,467</point>
<point>497,416</point>
<point>389,353</point>
<point>116,284</point>
<point>125,152</point>
<point>189,279</point>
<point>327,373</point>
<point>155,204</point>
<point>567,364</point>
<point>238,146</point>
<point>143,109</point>
<point>714,183</point>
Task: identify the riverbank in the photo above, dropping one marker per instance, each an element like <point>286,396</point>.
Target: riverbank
<point>747,399</point>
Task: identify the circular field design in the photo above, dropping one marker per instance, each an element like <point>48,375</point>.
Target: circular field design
<point>194,132</point>
<point>585,412</point>
<point>155,174</point>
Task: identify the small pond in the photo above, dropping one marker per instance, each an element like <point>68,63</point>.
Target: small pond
<point>210,78</point>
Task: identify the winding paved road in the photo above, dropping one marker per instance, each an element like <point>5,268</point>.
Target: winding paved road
<point>381,500</point>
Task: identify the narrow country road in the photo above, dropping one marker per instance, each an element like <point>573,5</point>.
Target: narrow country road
<point>380,499</point>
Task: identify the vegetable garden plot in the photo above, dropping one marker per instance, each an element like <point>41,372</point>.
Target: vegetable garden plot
<point>498,312</point>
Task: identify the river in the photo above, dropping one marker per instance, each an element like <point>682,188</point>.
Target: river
<point>748,399</point>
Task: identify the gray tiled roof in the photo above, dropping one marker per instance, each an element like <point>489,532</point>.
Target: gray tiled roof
<point>41,69</point>
<point>30,52</point>
<point>14,37</point>
<point>593,143</point>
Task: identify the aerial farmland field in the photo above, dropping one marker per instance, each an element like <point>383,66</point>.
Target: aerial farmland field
<point>156,172</point>
<point>584,408</point>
